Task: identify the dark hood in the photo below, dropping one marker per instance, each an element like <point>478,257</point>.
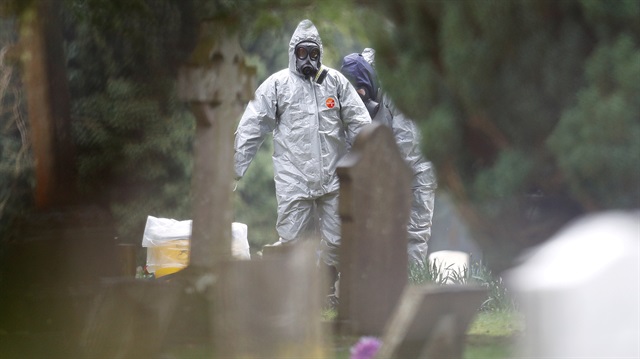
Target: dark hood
<point>360,73</point>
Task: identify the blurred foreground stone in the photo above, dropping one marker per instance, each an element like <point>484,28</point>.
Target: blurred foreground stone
<point>580,291</point>
<point>270,308</point>
<point>431,322</point>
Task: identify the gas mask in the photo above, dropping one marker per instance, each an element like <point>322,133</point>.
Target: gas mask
<point>308,61</point>
<point>370,104</point>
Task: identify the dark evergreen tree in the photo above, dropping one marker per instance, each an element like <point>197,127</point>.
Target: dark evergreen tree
<point>133,135</point>
<point>529,108</point>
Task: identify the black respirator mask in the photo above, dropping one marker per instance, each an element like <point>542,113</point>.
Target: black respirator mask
<point>369,103</point>
<point>308,61</point>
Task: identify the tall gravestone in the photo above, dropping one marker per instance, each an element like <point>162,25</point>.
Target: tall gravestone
<point>216,83</point>
<point>375,202</point>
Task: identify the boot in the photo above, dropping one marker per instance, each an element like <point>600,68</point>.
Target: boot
<point>331,295</point>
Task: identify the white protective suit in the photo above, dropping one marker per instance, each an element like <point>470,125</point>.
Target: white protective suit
<point>424,183</point>
<point>313,125</point>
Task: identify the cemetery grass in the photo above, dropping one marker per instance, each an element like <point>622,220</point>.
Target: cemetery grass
<point>491,335</point>
<point>494,331</point>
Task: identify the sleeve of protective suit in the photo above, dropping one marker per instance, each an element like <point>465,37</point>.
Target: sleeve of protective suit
<point>353,112</point>
<point>258,120</point>
<point>408,138</point>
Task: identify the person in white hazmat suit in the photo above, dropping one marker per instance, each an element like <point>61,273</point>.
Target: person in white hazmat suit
<point>359,69</point>
<point>314,114</point>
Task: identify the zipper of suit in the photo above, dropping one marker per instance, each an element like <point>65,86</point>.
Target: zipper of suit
<point>317,134</point>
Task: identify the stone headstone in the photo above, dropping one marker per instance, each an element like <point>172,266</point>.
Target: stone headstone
<point>374,207</point>
<point>217,83</point>
<point>580,291</point>
<point>270,307</point>
<point>431,321</point>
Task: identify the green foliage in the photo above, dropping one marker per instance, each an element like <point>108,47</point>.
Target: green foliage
<point>134,155</point>
<point>597,141</point>
<point>498,298</point>
<point>438,134</point>
<point>529,109</point>
<point>494,335</point>
<point>530,106</point>
<point>268,28</point>
<point>133,135</point>
<point>499,187</point>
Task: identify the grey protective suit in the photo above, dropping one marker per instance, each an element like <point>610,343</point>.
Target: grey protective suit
<point>424,183</point>
<point>313,125</point>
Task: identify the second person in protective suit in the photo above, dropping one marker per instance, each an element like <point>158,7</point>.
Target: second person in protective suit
<point>314,114</point>
<point>358,68</point>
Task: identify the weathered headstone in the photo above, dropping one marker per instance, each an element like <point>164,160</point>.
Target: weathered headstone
<point>431,321</point>
<point>217,84</point>
<point>580,291</point>
<point>270,308</point>
<point>374,209</point>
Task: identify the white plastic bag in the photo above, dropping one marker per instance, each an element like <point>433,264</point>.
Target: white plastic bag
<point>172,238</point>
<point>239,241</point>
<point>159,231</point>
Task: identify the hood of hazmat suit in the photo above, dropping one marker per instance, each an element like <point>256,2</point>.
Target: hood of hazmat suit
<point>314,121</point>
<point>405,131</point>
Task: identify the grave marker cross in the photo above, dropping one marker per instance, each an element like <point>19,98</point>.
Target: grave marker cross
<point>217,84</point>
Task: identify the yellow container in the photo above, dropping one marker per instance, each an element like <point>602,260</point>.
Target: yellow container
<point>170,257</point>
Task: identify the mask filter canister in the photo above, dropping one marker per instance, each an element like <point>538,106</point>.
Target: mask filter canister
<point>321,75</point>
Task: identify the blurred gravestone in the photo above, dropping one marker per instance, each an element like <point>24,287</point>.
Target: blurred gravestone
<point>216,83</point>
<point>129,319</point>
<point>133,319</point>
<point>51,272</point>
<point>431,322</point>
<point>270,308</point>
<point>580,291</point>
<point>374,209</point>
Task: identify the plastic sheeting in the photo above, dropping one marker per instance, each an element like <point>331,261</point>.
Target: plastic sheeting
<point>167,242</point>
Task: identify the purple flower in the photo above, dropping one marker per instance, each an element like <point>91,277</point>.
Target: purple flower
<point>365,348</point>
